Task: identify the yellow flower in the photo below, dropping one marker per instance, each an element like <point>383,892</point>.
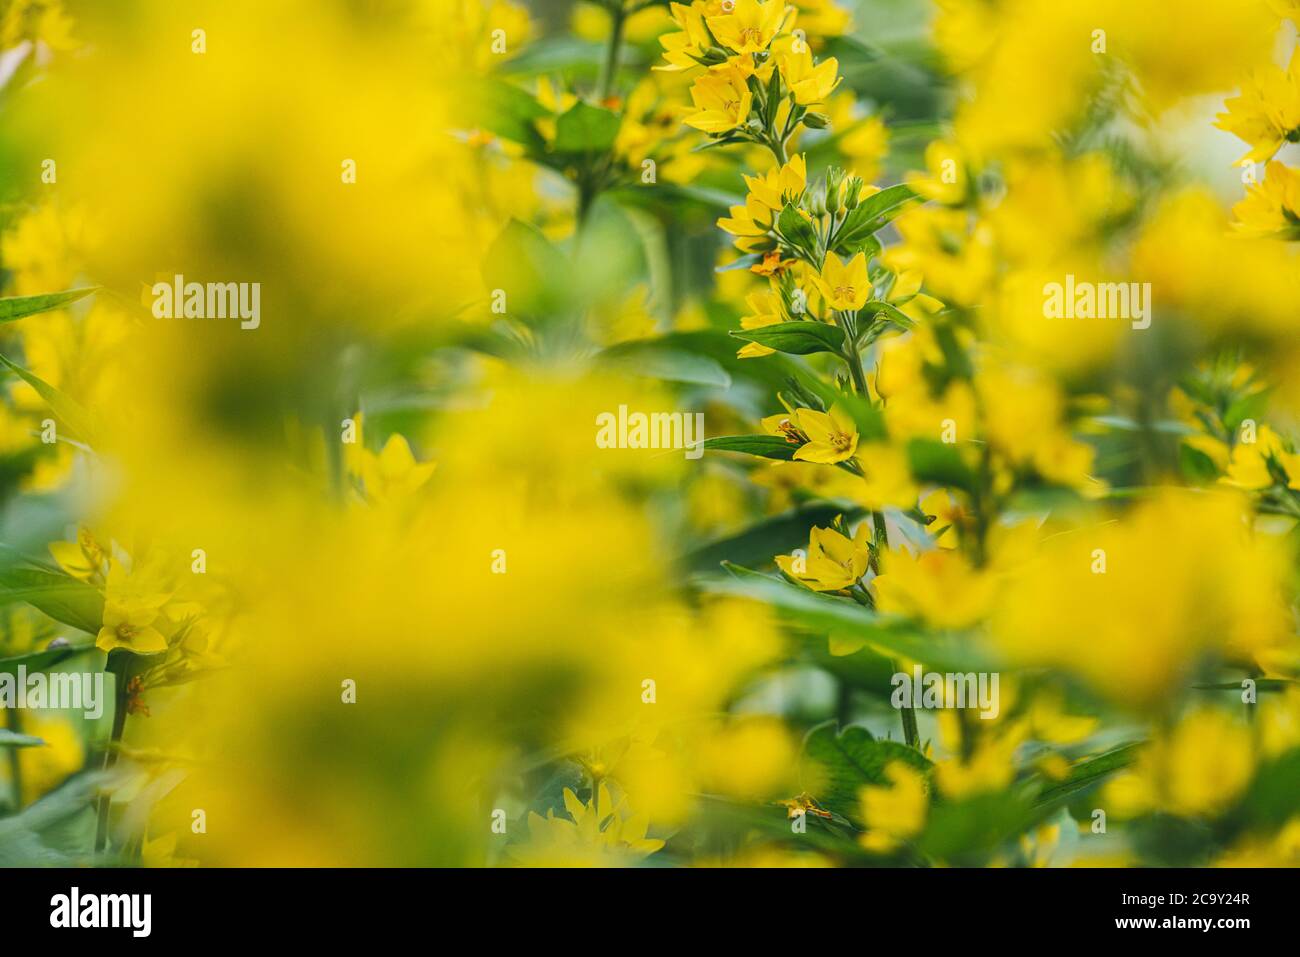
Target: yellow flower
<point>722,100</point>
<point>750,26</point>
<point>948,516</point>
<point>823,18</point>
<point>939,587</point>
<point>989,768</point>
<point>846,287</point>
<point>1248,466</point>
<point>1271,208</point>
<point>129,615</point>
<point>557,102</point>
<point>894,814</point>
<point>886,477</point>
<point>772,188</point>
<point>1198,769</point>
<point>1084,599</point>
<point>681,49</point>
<point>393,473</point>
<point>600,833</point>
<point>749,224</point>
<point>863,138</point>
<point>944,180</point>
<point>1267,112</point>
<point>41,20</point>
<point>833,562</point>
<point>832,436</point>
<point>1286,9</point>
<point>771,265</point>
<point>810,84</point>
<point>954,254</point>
<point>744,64</point>
<point>83,559</point>
<point>764,311</point>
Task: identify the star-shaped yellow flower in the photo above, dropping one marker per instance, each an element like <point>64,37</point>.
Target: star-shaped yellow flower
<point>833,561</point>
<point>845,287</point>
<point>832,436</point>
<point>722,101</point>
<point>750,26</point>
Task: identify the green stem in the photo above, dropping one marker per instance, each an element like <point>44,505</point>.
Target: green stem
<point>14,723</point>
<point>618,15</point>
<point>850,355</point>
<point>911,734</point>
<point>118,666</point>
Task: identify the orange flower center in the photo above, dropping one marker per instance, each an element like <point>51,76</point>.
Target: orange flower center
<point>840,441</point>
<point>844,293</point>
<point>751,35</point>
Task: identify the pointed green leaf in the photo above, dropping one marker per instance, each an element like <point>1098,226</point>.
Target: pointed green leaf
<point>75,418</point>
<point>765,446</point>
<point>17,307</point>
<point>796,338</point>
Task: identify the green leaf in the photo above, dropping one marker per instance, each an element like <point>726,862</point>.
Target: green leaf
<point>558,54</point>
<point>939,462</point>
<point>12,739</point>
<point>1086,775</point>
<point>890,312</point>
<point>60,596</point>
<point>42,660</point>
<point>873,214</point>
<point>797,230</point>
<point>535,276</point>
<point>827,614</point>
<point>796,338</point>
<point>866,244</point>
<point>17,307</point>
<point>42,835</point>
<point>586,129</point>
<point>658,361</point>
<point>744,262</point>
<point>75,418</point>
<point>836,767</point>
<point>766,446</point>
<point>776,535</point>
<point>506,110</point>
<point>960,831</point>
<point>1271,798</point>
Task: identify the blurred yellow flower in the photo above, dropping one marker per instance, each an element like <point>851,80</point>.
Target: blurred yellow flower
<point>1271,208</point>
<point>601,833</point>
<point>938,587</point>
<point>896,813</point>
<point>1266,114</point>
